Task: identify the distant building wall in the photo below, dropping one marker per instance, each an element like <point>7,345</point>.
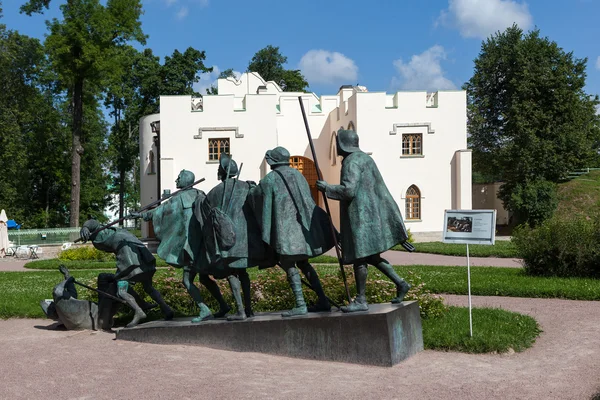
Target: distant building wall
<point>255,116</point>
<point>485,197</point>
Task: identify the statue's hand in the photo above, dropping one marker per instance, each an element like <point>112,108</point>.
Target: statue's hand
<point>134,215</point>
<point>322,186</point>
<point>85,234</point>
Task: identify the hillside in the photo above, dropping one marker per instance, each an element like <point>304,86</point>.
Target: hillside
<point>580,196</point>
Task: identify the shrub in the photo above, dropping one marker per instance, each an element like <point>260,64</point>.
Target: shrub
<point>271,292</point>
<point>560,247</point>
<point>531,202</point>
<point>85,253</point>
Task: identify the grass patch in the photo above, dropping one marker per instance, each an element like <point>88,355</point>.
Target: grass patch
<point>494,330</point>
<point>52,264</point>
<point>579,196</point>
<point>510,282</point>
<point>502,249</point>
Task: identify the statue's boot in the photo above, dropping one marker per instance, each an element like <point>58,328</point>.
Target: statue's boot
<point>360,303</point>
<point>402,287</point>
<point>139,314</point>
<point>215,292</point>
<point>155,295</point>
<point>236,289</point>
<point>144,305</point>
<point>315,283</point>
<point>245,281</point>
<point>295,283</point>
<point>205,313</point>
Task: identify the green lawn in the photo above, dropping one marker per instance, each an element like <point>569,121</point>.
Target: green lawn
<point>494,330</point>
<point>502,249</point>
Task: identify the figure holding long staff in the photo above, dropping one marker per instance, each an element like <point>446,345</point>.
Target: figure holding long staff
<point>370,219</point>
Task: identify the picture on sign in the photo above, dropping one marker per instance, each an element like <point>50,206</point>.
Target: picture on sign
<point>469,226</point>
<point>464,224</point>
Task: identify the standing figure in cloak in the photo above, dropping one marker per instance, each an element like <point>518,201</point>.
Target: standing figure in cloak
<point>370,219</point>
<point>180,233</point>
<point>231,235</point>
<point>293,225</point>
<point>135,264</point>
<point>3,233</point>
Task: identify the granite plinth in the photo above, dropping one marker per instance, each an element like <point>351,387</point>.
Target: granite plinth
<point>383,336</point>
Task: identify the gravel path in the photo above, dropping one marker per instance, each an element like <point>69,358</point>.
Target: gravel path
<point>36,363</point>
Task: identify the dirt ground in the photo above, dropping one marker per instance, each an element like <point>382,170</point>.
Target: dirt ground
<point>37,363</point>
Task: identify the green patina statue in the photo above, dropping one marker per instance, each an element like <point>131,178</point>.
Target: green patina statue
<point>231,235</point>
<point>180,236</point>
<point>370,219</point>
<point>293,225</point>
<point>135,264</point>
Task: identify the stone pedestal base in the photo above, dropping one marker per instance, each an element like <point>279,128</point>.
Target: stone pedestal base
<point>384,335</point>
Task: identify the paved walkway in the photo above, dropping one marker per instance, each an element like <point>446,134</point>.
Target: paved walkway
<point>563,364</point>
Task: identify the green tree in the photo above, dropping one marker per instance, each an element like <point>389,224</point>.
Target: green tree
<point>269,62</point>
<point>82,49</point>
<point>529,118</point>
<point>228,73</point>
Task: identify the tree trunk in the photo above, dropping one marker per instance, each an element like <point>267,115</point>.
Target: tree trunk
<point>122,173</point>
<point>76,152</point>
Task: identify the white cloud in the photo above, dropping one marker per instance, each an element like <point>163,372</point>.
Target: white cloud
<point>209,79</point>
<point>182,13</point>
<point>322,66</point>
<point>481,18</point>
<point>185,5</point>
<point>598,63</point>
<point>423,72</point>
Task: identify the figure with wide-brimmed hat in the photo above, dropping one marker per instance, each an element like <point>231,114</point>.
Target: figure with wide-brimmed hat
<point>370,219</point>
<point>292,225</point>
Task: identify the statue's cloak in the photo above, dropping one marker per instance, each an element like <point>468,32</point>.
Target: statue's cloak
<point>290,221</point>
<point>133,258</point>
<point>370,219</point>
<point>248,250</point>
<point>175,227</point>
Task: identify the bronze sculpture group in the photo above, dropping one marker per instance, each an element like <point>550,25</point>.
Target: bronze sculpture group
<point>240,224</point>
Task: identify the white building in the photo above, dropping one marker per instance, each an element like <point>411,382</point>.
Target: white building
<point>418,140</point>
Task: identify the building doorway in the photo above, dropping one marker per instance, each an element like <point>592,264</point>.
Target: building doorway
<point>306,166</point>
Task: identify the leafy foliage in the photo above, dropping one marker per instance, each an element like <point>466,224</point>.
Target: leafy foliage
<point>228,73</point>
<point>565,247</point>
<point>529,118</point>
<point>268,62</point>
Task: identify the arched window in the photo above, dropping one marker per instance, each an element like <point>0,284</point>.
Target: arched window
<point>333,149</point>
<point>413,203</point>
<point>351,126</point>
<point>152,167</point>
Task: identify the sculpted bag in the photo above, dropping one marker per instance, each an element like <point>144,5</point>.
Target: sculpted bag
<point>223,229</point>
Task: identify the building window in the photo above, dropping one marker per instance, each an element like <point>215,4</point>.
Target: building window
<point>216,147</point>
<point>413,203</point>
<point>307,167</point>
<point>412,144</point>
<point>152,167</point>
<point>351,126</point>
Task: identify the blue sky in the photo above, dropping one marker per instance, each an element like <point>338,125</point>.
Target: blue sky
<point>386,45</point>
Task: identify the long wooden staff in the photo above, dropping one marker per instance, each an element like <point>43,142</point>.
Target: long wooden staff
<point>147,207</point>
<point>320,176</point>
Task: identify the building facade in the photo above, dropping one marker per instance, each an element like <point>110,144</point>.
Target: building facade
<point>417,139</point>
